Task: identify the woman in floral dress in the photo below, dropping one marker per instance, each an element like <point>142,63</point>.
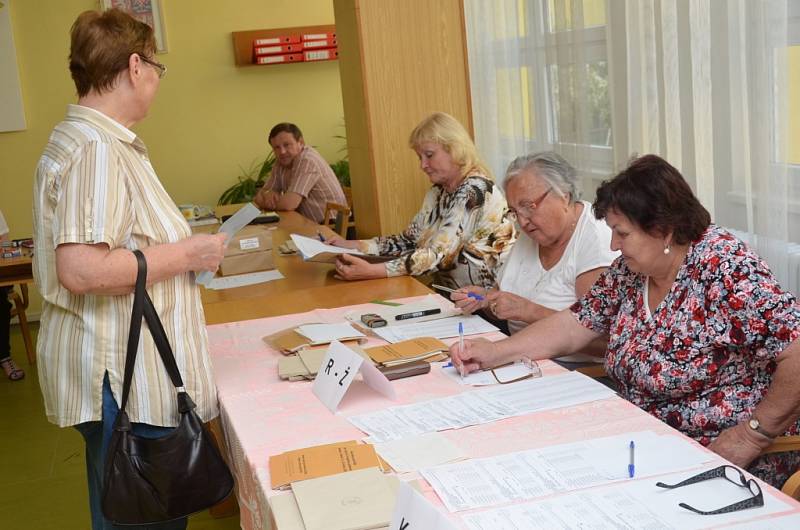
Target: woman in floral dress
<point>701,335</point>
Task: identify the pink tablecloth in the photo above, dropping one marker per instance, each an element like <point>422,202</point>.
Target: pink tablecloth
<point>262,415</point>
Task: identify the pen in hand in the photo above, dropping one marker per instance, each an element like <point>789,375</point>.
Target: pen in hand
<point>461,347</point>
<point>631,464</point>
<point>474,296</point>
<point>320,236</point>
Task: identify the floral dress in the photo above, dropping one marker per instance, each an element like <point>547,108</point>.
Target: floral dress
<point>705,357</point>
<point>462,236</point>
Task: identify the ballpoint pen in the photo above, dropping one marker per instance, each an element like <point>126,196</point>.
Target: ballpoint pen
<point>631,464</point>
<point>461,346</point>
<point>474,296</point>
<point>320,236</point>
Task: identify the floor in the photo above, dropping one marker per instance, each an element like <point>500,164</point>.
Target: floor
<point>42,468</point>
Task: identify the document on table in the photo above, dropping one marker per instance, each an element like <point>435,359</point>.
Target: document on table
<point>240,280</point>
<point>546,393</point>
<point>322,333</point>
<point>236,222</point>
<point>480,406</point>
<point>633,505</point>
<point>539,472</point>
<point>441,328</point>
<point>417,452</point>
<point>388,313</point>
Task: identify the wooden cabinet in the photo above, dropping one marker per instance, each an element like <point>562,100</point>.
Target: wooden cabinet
<point>400,60</point>
<point>243,40</point>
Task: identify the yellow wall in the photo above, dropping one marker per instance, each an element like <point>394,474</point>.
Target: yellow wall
<point>209,117</point>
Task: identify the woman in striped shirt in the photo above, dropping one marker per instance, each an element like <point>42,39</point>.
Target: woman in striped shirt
<point>97,198</point>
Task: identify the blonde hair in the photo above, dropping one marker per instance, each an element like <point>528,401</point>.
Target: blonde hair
<point>445,130</point>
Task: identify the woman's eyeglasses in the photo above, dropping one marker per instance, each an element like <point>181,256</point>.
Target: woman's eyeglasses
<point>731,474</point>
<point>526,209</point>
<point>162,69</point>
<point>513,372</point>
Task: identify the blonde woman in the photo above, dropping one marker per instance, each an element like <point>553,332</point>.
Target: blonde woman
<point>460,234</point>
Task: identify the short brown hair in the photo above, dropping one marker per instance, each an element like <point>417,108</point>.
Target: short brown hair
<point>655,196</point>
<point>291,128</point>
<point>101,45</point>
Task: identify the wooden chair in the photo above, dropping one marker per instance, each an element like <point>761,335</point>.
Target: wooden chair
<point>782,444</point>
<point>20,305</point>
<point>341,222</point>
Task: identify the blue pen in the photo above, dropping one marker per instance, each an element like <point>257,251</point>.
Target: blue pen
<point>474,296</point>
<point>461,345</point>
<point>631,465</point>
<point>321,237</point>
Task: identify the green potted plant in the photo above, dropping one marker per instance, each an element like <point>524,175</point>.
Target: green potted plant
<point>248,182</point>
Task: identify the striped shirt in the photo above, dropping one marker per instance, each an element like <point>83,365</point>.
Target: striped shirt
<point>94,184</point>
<point>311,177</point>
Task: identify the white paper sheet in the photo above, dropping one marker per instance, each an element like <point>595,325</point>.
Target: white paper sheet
<point>637,504</point>
<point>241,280</point>
<point>546,393</point>
<point>310,247</point>
<point>388,313</point>
<point>230,227</point>
<point>480,406</point>
<point>417,452</point>
<point>441,328</point>
<point>539,472</point>
<point>322,333</point>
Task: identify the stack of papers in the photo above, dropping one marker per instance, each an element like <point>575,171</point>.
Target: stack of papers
<point>540,472</point>
<point>325,333</point>
<point>320,461</point>
<point>315,250</point>
<point>291,340</point>
<point>389,313</point>
<point>636,504</point>
<point>408,351</point>
<point>480,406</point>
<point>442,328</point>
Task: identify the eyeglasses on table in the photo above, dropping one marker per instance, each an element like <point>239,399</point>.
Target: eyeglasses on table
<point>733,475</point>
<point>531,367</point>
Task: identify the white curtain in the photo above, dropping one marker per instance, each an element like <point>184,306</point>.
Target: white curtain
<point>534,81</point>
<point>702,83</point>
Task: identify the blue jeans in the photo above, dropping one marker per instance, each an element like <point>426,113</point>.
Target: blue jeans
<point>97,435</point>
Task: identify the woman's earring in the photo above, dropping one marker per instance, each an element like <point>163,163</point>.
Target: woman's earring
<point>666,249</point>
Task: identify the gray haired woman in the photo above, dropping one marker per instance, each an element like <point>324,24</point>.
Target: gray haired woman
<point>564,252</point>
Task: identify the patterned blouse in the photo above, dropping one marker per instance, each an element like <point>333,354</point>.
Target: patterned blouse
<point>463,236</point>
<point>705,357</point>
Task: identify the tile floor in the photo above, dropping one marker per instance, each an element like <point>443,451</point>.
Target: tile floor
<point>42,469</point>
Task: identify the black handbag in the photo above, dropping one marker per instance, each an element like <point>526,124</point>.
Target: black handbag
<point>158,480</point>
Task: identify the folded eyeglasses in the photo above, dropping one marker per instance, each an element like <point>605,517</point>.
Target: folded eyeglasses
<point>731,474</point>
<point>532,370</point>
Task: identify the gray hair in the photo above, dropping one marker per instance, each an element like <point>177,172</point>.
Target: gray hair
<point>549,166</point>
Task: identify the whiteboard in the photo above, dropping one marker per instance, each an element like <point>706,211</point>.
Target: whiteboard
<point>12,112</point>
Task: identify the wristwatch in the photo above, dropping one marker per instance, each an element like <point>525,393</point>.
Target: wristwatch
<point>754,424</point>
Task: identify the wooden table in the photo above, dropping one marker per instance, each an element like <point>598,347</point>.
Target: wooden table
<point>19,271</point>
<point>305,286</point>
<point>16,271</point>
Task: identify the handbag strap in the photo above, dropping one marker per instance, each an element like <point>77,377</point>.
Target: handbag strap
<point>136,327</point>
<point>143,308</point>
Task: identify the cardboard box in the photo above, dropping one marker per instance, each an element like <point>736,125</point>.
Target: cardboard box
<point>249,251</point>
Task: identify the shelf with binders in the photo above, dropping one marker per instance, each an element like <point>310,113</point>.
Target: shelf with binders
<point>284,45</point>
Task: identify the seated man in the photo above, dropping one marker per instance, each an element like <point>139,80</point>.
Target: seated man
<point>301,179</point>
